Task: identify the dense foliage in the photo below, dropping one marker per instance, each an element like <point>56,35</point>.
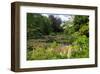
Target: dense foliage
<point>51,38</point>
<point>38,25</point>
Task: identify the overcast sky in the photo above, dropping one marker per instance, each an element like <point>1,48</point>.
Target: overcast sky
<point>63,17</point>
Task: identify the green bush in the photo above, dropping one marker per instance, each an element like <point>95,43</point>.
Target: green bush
<point>83,43</point>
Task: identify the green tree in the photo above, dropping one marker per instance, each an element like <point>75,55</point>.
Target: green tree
<point>80,20</point>
<point>37,25</point>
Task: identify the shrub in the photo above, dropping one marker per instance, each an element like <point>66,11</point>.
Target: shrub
<point>83,45</point>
